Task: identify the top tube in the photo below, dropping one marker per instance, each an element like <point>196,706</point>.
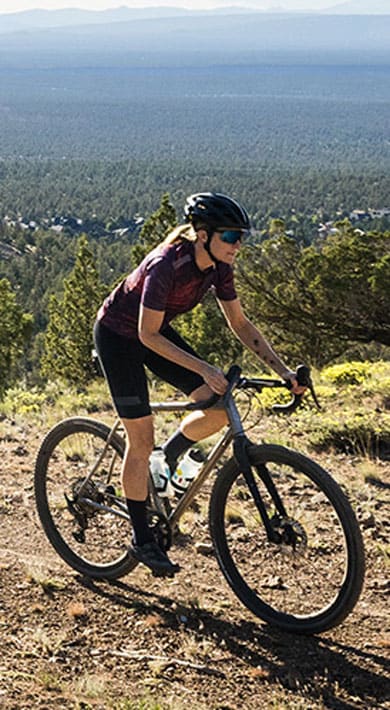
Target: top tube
<point>235,382</point>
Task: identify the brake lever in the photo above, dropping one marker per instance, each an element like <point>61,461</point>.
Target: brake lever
<point>303,379</point>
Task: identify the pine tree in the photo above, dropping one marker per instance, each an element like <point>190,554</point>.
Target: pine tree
<point>155,229</point>
<point>313,302</point>
<point>209,334</point>
<point>15,334</point>
<point>68,340</point>
<point>276,227</point>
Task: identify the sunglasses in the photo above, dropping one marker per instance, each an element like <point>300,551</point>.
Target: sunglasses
<point>232,236</point>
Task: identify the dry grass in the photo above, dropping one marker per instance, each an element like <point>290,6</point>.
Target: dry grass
<point>63,637</point>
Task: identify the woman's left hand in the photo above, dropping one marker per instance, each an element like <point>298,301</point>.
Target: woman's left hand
<point>296,388</point>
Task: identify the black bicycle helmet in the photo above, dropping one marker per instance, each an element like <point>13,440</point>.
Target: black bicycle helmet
<point>216,210</point>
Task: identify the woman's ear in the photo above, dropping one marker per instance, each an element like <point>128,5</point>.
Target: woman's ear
<point>202,234</point>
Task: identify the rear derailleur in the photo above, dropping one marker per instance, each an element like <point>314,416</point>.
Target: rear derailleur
<point>80,505</point>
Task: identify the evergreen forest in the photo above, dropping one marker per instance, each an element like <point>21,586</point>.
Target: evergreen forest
<point>96,155</point>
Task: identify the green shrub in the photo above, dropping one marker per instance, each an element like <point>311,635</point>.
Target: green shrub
<point>360,432</point>
<point>378,388</point>
<point>21,401</point>
<point>354,416</point>
<point>268,397</point>
<point>347,373</point>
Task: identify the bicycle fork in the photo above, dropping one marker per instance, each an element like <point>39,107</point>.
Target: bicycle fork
<point>241,444</point>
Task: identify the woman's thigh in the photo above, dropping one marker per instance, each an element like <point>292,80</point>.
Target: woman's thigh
<point>122,361</point>
<point>179,377</point>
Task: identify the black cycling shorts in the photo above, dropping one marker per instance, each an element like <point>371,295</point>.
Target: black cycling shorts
<point>123,362</point>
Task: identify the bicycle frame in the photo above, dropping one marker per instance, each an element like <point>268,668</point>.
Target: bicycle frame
<point>78,469</point>
<point>235,433</point>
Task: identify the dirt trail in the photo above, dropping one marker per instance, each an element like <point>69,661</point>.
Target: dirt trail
<point>67,642</point>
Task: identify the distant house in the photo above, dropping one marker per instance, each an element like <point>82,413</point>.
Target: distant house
<point>326,229</point>
<point>121,232</point>
<point>357,215</point>
<point>7,251</point>
<point>379,213</point>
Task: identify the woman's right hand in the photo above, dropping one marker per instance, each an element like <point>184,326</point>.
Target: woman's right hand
<point>214,378</point>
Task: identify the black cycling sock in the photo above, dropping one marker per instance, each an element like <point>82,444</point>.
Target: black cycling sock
<point>141,530</point>
<point>176,445</point>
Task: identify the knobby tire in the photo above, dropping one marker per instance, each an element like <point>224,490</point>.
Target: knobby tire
<point>305,589</point>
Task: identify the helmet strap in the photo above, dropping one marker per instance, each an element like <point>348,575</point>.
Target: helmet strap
<point>207,245</point>
<point>209,231</point>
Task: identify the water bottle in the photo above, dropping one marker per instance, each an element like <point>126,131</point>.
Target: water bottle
<point>160,472</point>
<point>187,469</point>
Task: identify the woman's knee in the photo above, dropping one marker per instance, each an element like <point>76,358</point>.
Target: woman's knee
<point>218,417</point>
<point>201,393</point>
<point>140,436</point>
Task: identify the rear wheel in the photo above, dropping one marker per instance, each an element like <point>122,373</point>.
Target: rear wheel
<point>84,517</point>
<point>310,579</point>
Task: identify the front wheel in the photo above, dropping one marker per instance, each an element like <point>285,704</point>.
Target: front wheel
<point>77,493</point>
<point>311,578</point>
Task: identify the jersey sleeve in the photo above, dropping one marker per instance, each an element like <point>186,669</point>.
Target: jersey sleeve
<point>224,285</point>
<point>158,283</point>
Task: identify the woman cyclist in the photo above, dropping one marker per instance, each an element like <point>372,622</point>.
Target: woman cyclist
<point>133,331</point>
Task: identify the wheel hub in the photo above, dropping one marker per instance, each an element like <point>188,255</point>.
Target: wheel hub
<point>82,489</point>
<point>291,533</point>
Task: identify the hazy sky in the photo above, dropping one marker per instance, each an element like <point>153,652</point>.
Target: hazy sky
<point>16,5</point>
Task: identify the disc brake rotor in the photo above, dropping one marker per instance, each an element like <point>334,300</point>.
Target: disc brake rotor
<point>292,534</point>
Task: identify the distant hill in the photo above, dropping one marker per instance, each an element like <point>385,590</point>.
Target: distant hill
<point>33,19</point>
<point>38,18</point>
<point>223,35</point>
<point>361,7</point>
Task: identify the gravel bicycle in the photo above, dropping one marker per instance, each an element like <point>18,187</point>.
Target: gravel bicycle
<point>284,533</point>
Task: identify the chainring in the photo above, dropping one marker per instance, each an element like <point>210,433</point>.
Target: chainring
<point>160,527</point>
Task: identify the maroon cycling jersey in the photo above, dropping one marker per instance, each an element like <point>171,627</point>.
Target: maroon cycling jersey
<point>168,280</point>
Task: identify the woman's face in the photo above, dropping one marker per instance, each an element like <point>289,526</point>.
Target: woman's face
<point>224,245</point>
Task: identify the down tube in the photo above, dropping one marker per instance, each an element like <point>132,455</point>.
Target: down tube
<point>205,471</point>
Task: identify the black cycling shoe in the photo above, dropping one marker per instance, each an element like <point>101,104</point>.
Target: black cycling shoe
<point>151,555</point>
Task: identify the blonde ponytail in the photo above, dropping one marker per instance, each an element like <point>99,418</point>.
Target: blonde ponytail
<point>180,233</point>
